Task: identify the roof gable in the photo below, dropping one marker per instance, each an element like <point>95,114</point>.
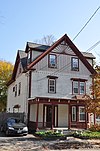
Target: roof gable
<point>65,39</point>
<point>20,58</point>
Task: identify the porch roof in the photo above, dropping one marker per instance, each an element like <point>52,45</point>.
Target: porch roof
<point>56,100</point>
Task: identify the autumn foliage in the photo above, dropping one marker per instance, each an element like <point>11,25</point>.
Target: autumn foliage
<point>6,69</point>
<point>93,101</point>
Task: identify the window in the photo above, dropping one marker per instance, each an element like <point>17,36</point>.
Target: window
<point>78,87</point>
<point>19,89</point>
<point>75,64</point>
<point>82,87</point>
<point>52,85</point>
<point>52,61</point>
<point>81,113</point>
<point>13,89</point>
<point>16,90</point>
<point>73,113</point>
<point>75,86</point>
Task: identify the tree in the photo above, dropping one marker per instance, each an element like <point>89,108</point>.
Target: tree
<point>6,69</point>
<point>93,101</point>
<point>46,40</point>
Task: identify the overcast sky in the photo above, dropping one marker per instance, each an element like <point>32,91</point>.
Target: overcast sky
<point>29,20</point>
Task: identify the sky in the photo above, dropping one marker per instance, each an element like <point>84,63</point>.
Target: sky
<point>30,20</point>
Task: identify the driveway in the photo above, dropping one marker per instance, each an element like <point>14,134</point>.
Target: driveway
<point>31,143</point>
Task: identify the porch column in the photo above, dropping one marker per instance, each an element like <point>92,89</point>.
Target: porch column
<point>43,115</point>
<point>52,116</point>
<point>37,115</point>
<point>28,112</point>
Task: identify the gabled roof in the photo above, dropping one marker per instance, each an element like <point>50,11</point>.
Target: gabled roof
<point>72,46</point>
<point>21,57</point>
<point>36,46</point>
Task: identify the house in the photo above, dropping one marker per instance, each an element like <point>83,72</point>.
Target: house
<point>49,84</point>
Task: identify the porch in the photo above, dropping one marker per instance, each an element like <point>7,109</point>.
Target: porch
<point>47,113</point>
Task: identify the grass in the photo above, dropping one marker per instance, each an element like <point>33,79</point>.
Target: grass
<point>88,134</point>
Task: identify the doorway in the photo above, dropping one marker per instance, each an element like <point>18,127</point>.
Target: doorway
<point>50,115</point>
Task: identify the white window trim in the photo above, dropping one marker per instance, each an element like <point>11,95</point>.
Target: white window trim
<point>50,64</point>
<point>79,87</point>
<point>73,107</point>
<point>52,85</point>
<point>74,64</point>
<point>81,113</point>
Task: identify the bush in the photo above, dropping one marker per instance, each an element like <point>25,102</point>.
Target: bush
<point>48,134</point>
<point>95,128</point>
<point>87,134</point>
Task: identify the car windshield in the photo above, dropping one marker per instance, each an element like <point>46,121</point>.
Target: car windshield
<point>12,121</point>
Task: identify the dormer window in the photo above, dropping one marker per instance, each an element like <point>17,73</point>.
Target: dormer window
<point>74,64</point>
<point>52,61</point>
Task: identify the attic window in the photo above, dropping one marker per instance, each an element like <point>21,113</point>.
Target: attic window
<point>74,64</point>
<point>52,61</point>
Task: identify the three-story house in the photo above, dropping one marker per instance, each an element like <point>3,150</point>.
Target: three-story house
<point>49,84</point>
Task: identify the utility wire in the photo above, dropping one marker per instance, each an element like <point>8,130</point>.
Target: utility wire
<point>86,23</point>
<point>92,47</point>
<point>73,40</point>
<point>81,29</point>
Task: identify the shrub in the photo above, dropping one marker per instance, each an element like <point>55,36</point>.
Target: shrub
<point>48,134</point>
<point>95,128</point>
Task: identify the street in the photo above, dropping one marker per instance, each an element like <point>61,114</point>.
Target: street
<point>31,143</point>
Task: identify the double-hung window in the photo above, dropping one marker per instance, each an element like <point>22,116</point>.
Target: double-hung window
<point>52,61</point>
<point>73,113</point>
<point>78,86</point>
<point>82,87</point>
<point>81,114</point>
<point>75,87</point>
<point>74,64</point>
<point>52,85</point>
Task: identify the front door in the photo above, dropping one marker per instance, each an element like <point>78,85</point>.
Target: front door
<point>50,115</point>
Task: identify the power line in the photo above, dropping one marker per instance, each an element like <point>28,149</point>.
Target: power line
<point>92,47</point>
<point>73,40</point>
<point>86,23</point>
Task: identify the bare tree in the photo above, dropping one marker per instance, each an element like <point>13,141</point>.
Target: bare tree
<point>46,40</point>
